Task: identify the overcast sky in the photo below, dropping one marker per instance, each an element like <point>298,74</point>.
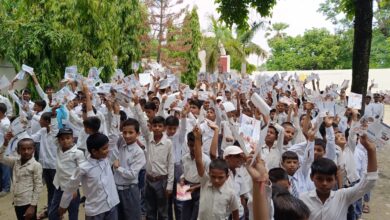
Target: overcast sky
<point>299,14</point>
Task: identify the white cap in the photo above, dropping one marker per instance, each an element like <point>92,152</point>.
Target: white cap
<point>232,150</point>
<point>219,98</point>
<point>228,106</point>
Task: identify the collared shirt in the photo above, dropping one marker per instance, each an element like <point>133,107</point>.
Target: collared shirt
<point>216,203</point>
<point>98,184</point>
<point>159,156</point>
<point>190,172</point>
<point>178,141</point>
<point>27,179</point>
<point>240,187</point>
<point>67,163</point>
<point>272,156</point>
<point>207,137</point>
<point>48,145</point>
<point>336,206</point>
<point>4,125</point>
<point>131,161</point>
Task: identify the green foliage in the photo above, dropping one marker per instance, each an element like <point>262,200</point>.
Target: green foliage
<point>191,27</point>
<point>50,35</point>
<point>237,12</point>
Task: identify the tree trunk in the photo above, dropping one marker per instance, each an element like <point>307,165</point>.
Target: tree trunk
<point>362,46</point>
<point>160,34</point>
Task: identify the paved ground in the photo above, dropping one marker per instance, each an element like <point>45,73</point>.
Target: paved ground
<point>380,201</point>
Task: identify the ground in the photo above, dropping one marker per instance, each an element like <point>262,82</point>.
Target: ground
<point>379,205</point>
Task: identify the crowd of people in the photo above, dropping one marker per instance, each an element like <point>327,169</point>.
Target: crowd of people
<point>146,146</point>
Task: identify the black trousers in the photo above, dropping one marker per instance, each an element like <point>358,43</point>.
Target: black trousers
<point>20,210</point>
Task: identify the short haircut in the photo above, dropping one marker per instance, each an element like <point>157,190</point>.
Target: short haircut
<point>26,90</point>
<point>303,115</point>
<point>191,136</point>
<point>320,142</point>
<point>172,121</point>
<point>276,131</point>
<point>287,123</point>
<point>96,141</point>
<point>123,115</point>
<point>219,164</point>
<point>272,111</point>
<point>142,101</point>
<point>323,166</point>
<point>289,155</point>
<point>92,123</point>
<point>131,122</point>
<point>197,103</point>
<point>46,116</point>
<point>287,206</point>
<point>84,109</point>
<point>49,86</point>
<point>322,128</point>
<point>150,92</point>
<point>155,98</point>
<point>41,103</point>
<point>277,174</point>
<point>158,120</point>
<point>26,140</point>
<point>150,106</point>
<point>3,108</point>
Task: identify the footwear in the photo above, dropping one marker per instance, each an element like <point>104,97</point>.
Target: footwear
<point>43,215</point>
<point>3,193</point>
<point>366,208</point>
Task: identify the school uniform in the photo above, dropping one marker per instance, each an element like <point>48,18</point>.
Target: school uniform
<point>159,170</point>
<point>216,203</point>
<point>67,163</point>
<point>273,155</point>
<point>191,177</point>
<point>6,101</point>
<point>131,161</point>
<point>27,182</point>
<point>99,188</point>
<point>336,206</point>
<point>238,183</point>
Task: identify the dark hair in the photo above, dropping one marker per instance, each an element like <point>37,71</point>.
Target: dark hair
<point>155,98</point>
<point>3,108</point>
<point>197,103</point>
<point>92,123</point>
<point>131,122</point>
<point>320,142</point>
<point>26,90</point>
<point>276,131</point>
<point>150,106</point>
<point>323,166</point>
<point>46,116</point>
<point>49,86</point>
<point>287,123</point>
<point>84,109</point>
<point>272,110</point>
<point>96,141</point>
<point>191,136</point>
<point>277,174</point>
<point>171,121</point>
<point>287,206</point>
<point>26,140</point>
<point>41,103</point>
<point>303,115</point>
<point>123,115</point>
<point>150,92</point>
<point>323,128</point>
<point>158,120</point>
<point>219,164</point>
<point>142,102</point>
<point>289,155</point>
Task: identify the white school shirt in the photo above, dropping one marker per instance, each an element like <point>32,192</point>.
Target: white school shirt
<point>336,206</point>
<point>190,172</point>
<point>302,176</point>
<point>216,203</point>
<point>240,186</point>
<point>347,159</point>
<point>4,125</point>
<point>272,156</point>
<point>361,159</point>
<point>98,184</point>
<point>67,163</point>
<point>377,110</point>
<point>178,141</point>
<point>207,137</point>
<point>6,101</point>
<point>48,145</point>
<point>35,126</point>
<point>131,161</point>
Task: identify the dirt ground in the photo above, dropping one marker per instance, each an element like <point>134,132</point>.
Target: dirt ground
<point>379,204</point>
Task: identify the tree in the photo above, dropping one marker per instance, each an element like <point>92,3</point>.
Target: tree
<point>191,28</point>
<point>51,35</point>
<point>278,28</point>
<point>162,14</point>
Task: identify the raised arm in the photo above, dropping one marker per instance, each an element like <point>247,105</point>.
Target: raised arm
<point>198,151</point>
<point>214,141</point>
<point>330,139</point>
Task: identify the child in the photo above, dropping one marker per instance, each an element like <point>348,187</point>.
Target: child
<point>97,180</point>
<point>271,152</point>
<point>131,159</point>
<point>68,160</point>
<point>278,176</point>
<point>217,199</point>
<point>327,204</point>
<point>27,178</point>
<point>159,166</point>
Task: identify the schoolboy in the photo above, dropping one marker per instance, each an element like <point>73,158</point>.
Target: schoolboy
<point>97,180</point>
<point>217,199</point>
<point>68,160</point>
<point>279,176</point>
<point>131,160</point>
<point>27,178</point>
<point>327,204</point>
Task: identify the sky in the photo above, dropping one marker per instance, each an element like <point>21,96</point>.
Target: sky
<point>299,14</point>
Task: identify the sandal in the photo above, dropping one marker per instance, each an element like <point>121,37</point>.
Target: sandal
<point>366,208</point>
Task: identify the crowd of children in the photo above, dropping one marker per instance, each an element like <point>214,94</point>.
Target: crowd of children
<point>163,151</point>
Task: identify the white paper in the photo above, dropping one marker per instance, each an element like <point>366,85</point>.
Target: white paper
<point>379,133</point>
<point>20,75</point>
<point>170,99</point>
<point>144,79</point>
<point>27,69</point>
<point>260,104</point>
<point>345,84</point>
<point>182,194</point>
<point>228,106</point>
<point>4,82</point>
<point>355,101</point>
<point>19,125</point>
<point>70,71</point>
